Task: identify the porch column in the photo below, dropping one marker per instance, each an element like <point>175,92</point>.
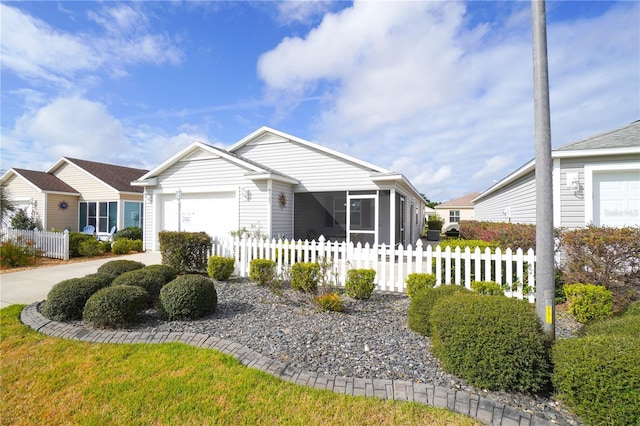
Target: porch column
<point>392,217</point>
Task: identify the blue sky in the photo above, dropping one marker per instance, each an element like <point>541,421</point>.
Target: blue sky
<point>438,91</point>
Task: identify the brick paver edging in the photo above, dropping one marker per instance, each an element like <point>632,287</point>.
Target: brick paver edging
<point>488,412</point>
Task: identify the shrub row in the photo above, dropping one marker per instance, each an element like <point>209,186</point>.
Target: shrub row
<point>514,235</point>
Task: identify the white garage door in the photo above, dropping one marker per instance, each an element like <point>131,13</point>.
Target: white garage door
<point>214,213</point>
<point>616,198</point>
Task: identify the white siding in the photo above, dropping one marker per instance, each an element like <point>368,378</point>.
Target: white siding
<point>571,200</point>
<point>316,170</point>
<point>518,197</point>
<point>282,216</point>
<point>254,212</point>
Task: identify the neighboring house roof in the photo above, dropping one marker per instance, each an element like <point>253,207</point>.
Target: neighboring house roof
<point>117,177</point>
<point>464,202</point>
<point>625,140</point>
<point>45,182</point>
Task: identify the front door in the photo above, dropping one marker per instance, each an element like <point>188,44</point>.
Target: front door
<point>362,219</point>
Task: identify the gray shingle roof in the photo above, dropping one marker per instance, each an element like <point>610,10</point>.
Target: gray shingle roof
<point>45,181</point>
<point>625,137</point>
<point>119,177</point>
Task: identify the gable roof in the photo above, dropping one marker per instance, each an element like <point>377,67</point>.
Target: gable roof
<point>466,201</point>
<point>43,181</point>
<point>624,140</point>
<point>255,170</point>
<point>264,130</point>
<point>117,177</point>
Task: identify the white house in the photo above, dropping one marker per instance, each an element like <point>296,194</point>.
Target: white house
<point>595,181</point>
<point>280,186</point>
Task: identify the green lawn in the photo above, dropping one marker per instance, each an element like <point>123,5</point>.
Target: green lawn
<point>48,380</point>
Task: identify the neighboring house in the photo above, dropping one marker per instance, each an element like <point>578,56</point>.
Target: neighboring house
<point>279,185</point>
<point>453,211</point>
<point>595,181</point>
<point>74,193</point>
<point>40,194</point>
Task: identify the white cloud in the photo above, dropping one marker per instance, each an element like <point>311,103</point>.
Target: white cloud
<point>301,11</point>
<point>414,79</point>
<point>34,50</point>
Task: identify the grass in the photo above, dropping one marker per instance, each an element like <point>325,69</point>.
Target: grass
<point>47,380</point>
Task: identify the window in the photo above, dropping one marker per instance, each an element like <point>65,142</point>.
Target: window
<point>132,214</point>
<point>339,211</point>
<point>454,216</point>
<point>101,215</point>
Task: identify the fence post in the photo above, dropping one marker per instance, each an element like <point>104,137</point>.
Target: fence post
<point>65,245</point>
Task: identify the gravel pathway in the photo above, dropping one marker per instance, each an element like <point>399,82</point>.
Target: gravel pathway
<point>370,339</point>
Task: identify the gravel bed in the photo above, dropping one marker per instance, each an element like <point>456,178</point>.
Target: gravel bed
<point>369,339</point>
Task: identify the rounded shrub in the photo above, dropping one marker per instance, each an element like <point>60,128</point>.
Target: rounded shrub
<point>75,239</point>
<point>495,343</point>
<point>67,299</point>
<point>151,281</point>
<point>422,303</point>
<point>220,268</point>
<point>105,279</point>
<point>188,297</point>
<point>599,378</point>
<point>359,284</point>
<point>487,288</point>
<point>91,247</point>
<point>130,233</point>
<point>168,273</point>
<point>588,302</point>
<point>262,271</point>
<point>119,267</point>
<point>417,282</point>
<point>329,302</point>
<point>115,306</point>
<point>122,246</point>
<point>305,276</point>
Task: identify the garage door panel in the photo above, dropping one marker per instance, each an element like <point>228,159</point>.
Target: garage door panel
<point>616,198</point>
<point>213,213</point>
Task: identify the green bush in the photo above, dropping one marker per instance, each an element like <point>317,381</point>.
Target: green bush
<point>75,239</point>
<point>130,233</point>
<point>599,378</point>
<point>305,276</point>
<point>632,309</point>
<point>187,252</point>
<point>503,234</point>
<point>14,255</point>
<point>125,245</point>
<point>220,268</point>
<point>149,280</point>
<point>107,246</point>
<point>417,282</point>
<point>67,298</point>
<point>22,220</point>
<point>626,324</point>
<point>119,267</point>
<point>262,271</point>
<point>472,244</point>
<point>495,343</point>
<point>167,272</point>
<point>487,288</point>
<point>588,302</point>
<point>90,248</point>
<point>105,279</point>
<point>188,297</point>
<point>422,303</point>
<point>360,283</point>
<point>115,306</point>
<point>329,302</point>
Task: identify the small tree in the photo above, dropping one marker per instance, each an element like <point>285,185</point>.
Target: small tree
<point>21,220</point>
<point>6,206</point>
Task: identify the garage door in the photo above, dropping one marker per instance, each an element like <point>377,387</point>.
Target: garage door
<point>616,198</point>
<point>214,213</point>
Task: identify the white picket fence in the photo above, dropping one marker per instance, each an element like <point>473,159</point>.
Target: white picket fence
<point>48,244</point>
<point>513,270</point>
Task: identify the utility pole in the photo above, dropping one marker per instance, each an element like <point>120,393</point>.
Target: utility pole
<point>545,276</point>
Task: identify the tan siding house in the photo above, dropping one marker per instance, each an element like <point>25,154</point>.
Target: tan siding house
<point>280,186</point>
<point>453,211</point>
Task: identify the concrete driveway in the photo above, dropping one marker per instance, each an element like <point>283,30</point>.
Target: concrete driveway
<point>33,286</point>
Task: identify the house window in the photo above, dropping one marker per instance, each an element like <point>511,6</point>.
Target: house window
<point>454,216</point>
<point>132,214</point>
<point>101,215</point>
<point>339,211</point>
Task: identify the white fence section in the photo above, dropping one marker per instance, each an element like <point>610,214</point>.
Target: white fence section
<point>48,244</point>
<point>514,271</point>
